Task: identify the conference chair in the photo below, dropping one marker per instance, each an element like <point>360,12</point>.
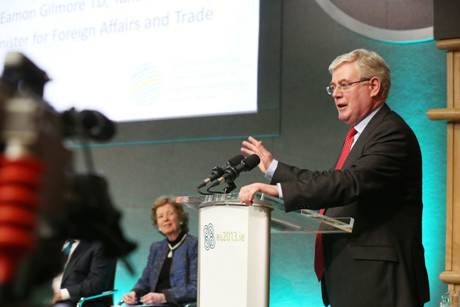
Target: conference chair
<point>88,298</point>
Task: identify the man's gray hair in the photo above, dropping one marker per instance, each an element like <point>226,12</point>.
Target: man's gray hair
<point>370,64</point>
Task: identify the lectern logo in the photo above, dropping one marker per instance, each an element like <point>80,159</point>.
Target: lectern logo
<point>209,237</point>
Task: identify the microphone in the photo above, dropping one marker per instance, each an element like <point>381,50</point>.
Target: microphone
<point>217,171</point>
<point>232,172</point>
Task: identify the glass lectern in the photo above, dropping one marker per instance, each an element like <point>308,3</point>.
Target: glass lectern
<point>234,244</point>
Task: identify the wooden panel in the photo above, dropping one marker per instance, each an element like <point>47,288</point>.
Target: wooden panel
<point>455,220</point>
<point>451,115</point>
<point>451,275</point>
<point>449,197</point>
<point>449,44</point>
<point>456,78</point>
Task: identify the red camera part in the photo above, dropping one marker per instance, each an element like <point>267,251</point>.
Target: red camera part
<point>19,196</point>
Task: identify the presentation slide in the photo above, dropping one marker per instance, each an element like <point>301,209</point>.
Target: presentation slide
<point>136,60</point>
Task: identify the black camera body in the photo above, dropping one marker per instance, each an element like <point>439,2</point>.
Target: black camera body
<point>61,203</point>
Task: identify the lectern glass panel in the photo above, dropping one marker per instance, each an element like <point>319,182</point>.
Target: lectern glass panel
<point>303,221</point>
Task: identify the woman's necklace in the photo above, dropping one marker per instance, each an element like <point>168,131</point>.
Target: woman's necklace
<point>172,248</point>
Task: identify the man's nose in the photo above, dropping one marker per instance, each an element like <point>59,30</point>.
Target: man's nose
<point>337,92</point>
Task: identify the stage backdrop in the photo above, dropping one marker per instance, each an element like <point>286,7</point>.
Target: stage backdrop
<point>309,135</point>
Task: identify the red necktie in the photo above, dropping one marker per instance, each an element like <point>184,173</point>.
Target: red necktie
<point>319,251</point>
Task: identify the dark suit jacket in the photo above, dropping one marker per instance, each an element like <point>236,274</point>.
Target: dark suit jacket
<point>89,272</point>
<point>183,273</point>
<point>382,262</point>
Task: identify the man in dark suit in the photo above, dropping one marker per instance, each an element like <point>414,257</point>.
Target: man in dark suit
<point>377,181</point>
<point>87,272</point>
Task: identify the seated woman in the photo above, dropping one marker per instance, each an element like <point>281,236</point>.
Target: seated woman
<point>170,276</point>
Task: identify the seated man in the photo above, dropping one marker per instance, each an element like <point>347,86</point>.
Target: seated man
<point>87,272</point>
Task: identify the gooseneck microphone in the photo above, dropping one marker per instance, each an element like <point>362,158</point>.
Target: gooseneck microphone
<point>218,171</point>
<point>232,172</point>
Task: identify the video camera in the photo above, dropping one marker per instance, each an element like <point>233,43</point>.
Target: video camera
<point>43,201</point>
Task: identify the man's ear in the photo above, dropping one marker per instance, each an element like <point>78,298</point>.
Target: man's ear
<point>375,85</point>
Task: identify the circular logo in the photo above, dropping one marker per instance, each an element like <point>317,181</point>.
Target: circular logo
<point>209,237</point>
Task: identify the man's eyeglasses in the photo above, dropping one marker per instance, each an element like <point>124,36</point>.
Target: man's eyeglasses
<point>344,85</point>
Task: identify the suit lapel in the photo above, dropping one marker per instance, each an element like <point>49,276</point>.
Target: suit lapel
<point>357,149</point>
<point>158,265</point>
<point>74,258</point>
